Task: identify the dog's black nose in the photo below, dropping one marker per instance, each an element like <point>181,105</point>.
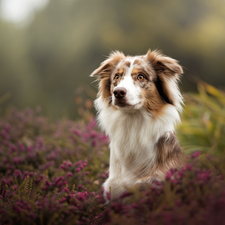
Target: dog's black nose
<point>120,92</point>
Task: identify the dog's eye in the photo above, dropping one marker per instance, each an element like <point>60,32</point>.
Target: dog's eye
<point>140,77</point>
<point>116,77</point>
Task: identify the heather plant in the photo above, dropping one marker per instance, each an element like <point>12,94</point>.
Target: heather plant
<point>51,173</point>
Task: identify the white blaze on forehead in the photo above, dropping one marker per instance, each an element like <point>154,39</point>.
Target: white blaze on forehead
<point>127,82</point>
<point>131,65</point>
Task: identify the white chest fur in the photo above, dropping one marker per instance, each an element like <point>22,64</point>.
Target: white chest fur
<point>133,136</point>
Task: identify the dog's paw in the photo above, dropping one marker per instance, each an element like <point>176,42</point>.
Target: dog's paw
<point>113,188</point>
<point>107,190</point>
<point>145,184</point>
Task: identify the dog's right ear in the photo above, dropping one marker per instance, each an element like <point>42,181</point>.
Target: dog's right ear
<point>108,65</point>
<point>104,72</point>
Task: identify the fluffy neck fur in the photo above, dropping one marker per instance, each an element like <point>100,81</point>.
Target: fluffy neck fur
<point>130,131</point>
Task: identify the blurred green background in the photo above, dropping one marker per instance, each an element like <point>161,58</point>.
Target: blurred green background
<point>46,60</point>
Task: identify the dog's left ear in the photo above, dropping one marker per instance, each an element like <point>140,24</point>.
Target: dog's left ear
<point>164,64</point>
<point>168,74</point>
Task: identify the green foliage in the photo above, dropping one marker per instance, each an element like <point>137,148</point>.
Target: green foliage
<point>203,124</point>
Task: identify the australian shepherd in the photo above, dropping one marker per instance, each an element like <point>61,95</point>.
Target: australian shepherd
<point>138,106</point>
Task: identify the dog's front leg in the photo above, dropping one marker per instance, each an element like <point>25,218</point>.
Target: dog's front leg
<point>113,185</point>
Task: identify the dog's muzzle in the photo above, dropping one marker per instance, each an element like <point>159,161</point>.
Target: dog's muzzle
<point>120,92</point>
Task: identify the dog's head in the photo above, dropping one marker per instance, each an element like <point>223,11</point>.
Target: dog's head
<point>133,82</point>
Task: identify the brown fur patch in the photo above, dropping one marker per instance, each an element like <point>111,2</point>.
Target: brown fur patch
<point>114,83</point>
<point>166,68</point>
<point>163,88</point>
<point>127,63</point>
<point>104,74</point>
<point>104,87</point>
<point>169,152</point>
<point>152,100</point>
<point>121,70</point>
<point>135,71</point>
<point>164,63</point>
<point>109,64</point>
<point>169,156</point>
<point>137,62</point>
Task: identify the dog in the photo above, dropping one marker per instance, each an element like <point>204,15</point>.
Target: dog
<point>138,105</point>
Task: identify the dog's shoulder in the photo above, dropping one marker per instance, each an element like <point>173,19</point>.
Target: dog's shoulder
<point>169,151</point>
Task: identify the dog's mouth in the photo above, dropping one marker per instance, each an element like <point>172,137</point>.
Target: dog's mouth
<point>122,103</point>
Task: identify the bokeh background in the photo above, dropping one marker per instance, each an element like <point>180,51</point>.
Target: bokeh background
<point>48,48</point>
<point>53,163</point>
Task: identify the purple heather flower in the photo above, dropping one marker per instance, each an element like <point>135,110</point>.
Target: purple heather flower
<point>93,134</point>
<point>69,174</point>
<point>78,169</point>
<point>85,136</point>
<point>17,173</point>
<point>77,132</point>
<point>195,154</point>
<point>189,166</point>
